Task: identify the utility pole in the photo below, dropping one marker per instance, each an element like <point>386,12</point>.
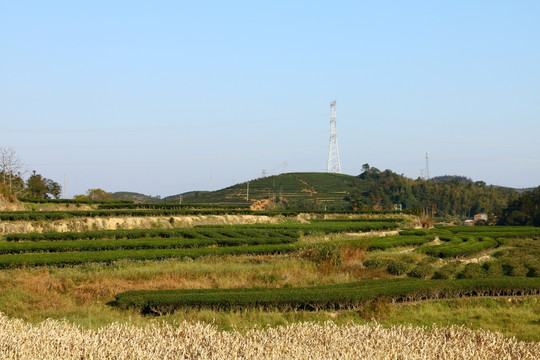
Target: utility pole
<point>333,165</point>
<point>65,187</point>
<point>247,191</point>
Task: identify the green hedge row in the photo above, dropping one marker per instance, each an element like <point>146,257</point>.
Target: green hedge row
<point>491,231</point>
<point>186,233</point>
<point>337,296</point>
<point>157,206</point>
<point>256,230</point>
<point>378,219</point>
<point>322,226</point>
<point>74,201</point>
<point>61,215</point>
<point>108,256</point>
<point>143,243</point>
<point>387,242</point>
<point>461,246</point>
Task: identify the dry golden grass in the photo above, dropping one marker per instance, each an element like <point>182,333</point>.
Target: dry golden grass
<point>60,340</point>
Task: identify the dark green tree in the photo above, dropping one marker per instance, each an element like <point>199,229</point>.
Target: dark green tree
<point>95,194</point>
<point>40,187</point>
<point>523,211</point>
<point>53,188</point>
<point>36,186</point>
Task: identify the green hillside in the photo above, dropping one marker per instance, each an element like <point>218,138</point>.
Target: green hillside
<point>304,190</point>
<point>371,190</point>
<point>133,196</point>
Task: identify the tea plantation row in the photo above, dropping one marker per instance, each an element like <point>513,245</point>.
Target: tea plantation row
<point>334,297</point>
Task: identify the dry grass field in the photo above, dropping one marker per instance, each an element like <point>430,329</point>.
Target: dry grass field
<point>60,340</point>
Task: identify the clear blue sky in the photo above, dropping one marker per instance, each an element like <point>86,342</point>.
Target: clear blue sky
<point>165,97</point>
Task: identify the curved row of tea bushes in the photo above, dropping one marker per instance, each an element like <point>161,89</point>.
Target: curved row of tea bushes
<point>387,242</point>
<point>74,201</point>
<point>109,256</point>
<point>187,233</point>
<point>323,226</point>
<point>143,243</point>
<point>377,219</point>
<point>256,230</point>
<point>461,246</point>
<point>337,296</point>
<point>62,215</point>
<point>68,214</point>
<point>159,206</point>
<point>490,231</point>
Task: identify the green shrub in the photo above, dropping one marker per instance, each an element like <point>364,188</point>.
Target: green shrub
<point>471,271</point>
<point>415,232</point>
<point>376,264</point>
<point>397,267</point>
<point>447,271</point>
<point>492,268</point>
<point>514,268</point>
<point>422,271</point>
<point>534,270</point>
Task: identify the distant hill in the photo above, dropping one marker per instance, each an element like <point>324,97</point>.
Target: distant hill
<point>298,189</point>
<point>373,189</point>
<point>136,197</point>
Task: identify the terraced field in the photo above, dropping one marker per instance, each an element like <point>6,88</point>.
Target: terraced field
<point>320,267</point>
<point>327,189</point>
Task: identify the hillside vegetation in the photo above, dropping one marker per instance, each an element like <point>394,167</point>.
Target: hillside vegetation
<point>371,190</point>
<point>523,211</point>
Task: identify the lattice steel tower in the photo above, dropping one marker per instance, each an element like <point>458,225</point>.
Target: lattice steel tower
<point>333,165</point>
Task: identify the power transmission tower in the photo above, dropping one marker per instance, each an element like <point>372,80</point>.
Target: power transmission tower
<point>427,166</point>
<point>333,165</point>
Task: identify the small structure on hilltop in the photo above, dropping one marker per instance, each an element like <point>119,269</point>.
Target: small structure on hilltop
<point>482,216</point>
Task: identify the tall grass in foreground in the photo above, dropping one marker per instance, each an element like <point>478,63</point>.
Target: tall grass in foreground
<point>59,340</point>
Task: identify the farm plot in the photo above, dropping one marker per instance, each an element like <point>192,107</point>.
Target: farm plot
<point>62,249</point>
<point>472,280</point>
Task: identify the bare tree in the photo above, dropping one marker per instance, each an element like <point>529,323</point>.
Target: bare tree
<point>10,165</point>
